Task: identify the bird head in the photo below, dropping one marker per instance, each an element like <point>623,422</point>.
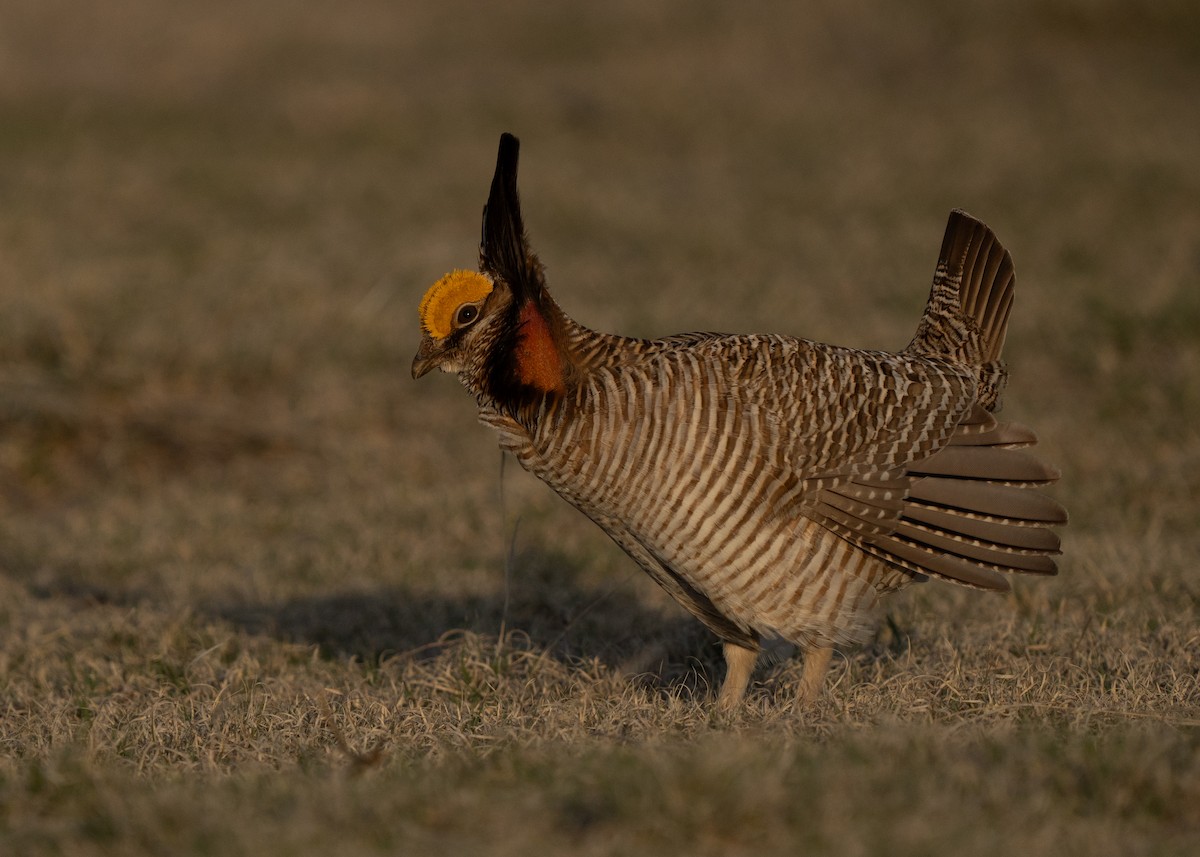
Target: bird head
<point>450,311</point>
<point>497,329</point>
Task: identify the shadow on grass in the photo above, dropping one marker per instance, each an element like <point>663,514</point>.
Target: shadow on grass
<point>546,605</point>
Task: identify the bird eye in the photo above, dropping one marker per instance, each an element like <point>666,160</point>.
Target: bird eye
<point>465,315</point>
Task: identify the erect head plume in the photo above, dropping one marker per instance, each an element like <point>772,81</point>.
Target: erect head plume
<point>446,296</point>
<point>503,248</point>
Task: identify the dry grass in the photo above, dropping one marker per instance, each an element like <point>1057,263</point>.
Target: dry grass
<point>258,593</point>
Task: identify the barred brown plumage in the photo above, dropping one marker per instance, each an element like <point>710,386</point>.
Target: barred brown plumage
<point>774,486</point>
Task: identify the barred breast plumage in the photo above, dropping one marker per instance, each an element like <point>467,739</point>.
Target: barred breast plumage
<point>774,486</point>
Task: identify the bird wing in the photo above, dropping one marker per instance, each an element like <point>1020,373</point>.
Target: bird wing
<point>837,413</point>
<point>893,453</point>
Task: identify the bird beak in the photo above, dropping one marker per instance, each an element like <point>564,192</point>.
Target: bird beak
<point>421,366</point>
<point>428,357</point>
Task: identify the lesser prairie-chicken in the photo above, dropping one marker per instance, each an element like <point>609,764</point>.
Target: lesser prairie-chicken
<point>775,486</point>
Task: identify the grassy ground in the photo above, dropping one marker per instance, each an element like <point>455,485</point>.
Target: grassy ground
<point>258,591</point>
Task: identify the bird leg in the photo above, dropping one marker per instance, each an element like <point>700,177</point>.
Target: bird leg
<point>816,664</point>
<point>739,664</point>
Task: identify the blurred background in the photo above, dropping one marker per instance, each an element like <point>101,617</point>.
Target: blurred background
<point>217,219</point>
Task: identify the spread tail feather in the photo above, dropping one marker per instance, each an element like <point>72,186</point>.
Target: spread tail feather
<point>967,513</point>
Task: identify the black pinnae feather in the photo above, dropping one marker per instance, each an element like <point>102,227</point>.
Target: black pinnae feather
<point>503,249</point>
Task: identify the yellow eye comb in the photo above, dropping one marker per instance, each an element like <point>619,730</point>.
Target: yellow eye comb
<point>445,297</point>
